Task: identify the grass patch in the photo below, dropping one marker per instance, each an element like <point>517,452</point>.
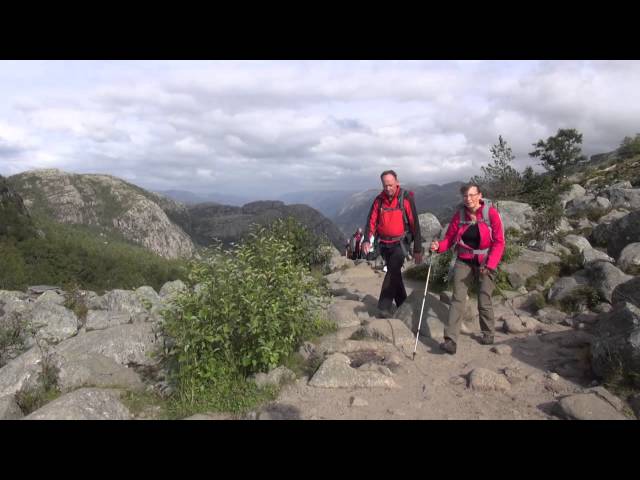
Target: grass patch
<point>584,296</point>
<point>139,402</point>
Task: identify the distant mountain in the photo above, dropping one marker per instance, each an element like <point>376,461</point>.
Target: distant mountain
<point>329,203</point>
<point>229,223</point>
<point>190,198</point>
<point>107,203</point>
<point>440,200</point>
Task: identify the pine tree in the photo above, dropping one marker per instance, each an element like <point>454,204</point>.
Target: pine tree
<point>559,152</point>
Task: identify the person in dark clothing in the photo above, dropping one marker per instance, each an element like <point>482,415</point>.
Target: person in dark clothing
<point>393,218</point>
<point>356,244</point>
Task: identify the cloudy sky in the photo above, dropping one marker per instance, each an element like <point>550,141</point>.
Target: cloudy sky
<point>264,128</point>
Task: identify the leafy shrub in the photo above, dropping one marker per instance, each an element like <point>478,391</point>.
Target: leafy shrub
<point>30,398</point>
<point>12,338</point>
<point>255,305</point>
<point>308,248</point>
<point>584,296</point>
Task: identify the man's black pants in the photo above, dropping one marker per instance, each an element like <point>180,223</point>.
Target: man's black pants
<point>392,286</point>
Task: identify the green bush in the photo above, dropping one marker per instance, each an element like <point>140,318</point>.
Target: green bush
<point>584,296</point>
<point>308,248</point>
<point>255,305</point>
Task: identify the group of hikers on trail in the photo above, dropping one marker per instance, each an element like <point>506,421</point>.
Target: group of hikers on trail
<point>475,232</point>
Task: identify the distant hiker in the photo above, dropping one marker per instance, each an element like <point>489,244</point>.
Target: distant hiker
<point>348,252</point>
<point>393,219</point>
<point>476,231</point>
<point>355,244</point>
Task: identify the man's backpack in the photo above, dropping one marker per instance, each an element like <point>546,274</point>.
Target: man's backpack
<point>407,237</point>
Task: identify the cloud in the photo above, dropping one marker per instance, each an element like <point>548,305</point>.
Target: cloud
<point>264,128</point>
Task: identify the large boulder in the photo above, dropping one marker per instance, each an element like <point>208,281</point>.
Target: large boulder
<point>527,265</point>
<point>336,372</point>
<point>588,205</point>
<point>102,319</point>
<point>563,287</point>
<point>515,215</point>
<point>430,226</point>
<point>125,344</point>
<point>95,370</point>
<point>629,260</point>
<point>575,191</point>
<point>53,322</point>
<point>577,242</point>
<point>628,198</point>
<point>628,291</point>
<point>20,371</point>
<point>344,313</point>
<point>587,406</point>
<point>589,255</point>
<point>434,317</point>
<point>84,404</point>
<point>9,409</point>
<point>605,277</point>
<point>622,232</point>
<point>616,348</point>
<point>170,289</point>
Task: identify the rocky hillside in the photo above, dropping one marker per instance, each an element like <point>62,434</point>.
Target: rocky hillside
<point>107,203</point>
<point>15,221</point>
<point>436,199</point>
<point>228,224</point>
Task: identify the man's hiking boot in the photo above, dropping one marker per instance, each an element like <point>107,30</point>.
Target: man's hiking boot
<point>448,346</point>
<point>384,313</point>
<point>487,339</point>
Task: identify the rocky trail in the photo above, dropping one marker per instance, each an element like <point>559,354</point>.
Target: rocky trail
<point>368,372</point>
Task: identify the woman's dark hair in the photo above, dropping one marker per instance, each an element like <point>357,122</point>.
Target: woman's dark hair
<point>465,188</point>
<point>388,172</point>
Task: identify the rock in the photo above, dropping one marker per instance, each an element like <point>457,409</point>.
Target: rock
<point>9,409</point>
<point>97,371</point>
<point>612,216</point>
<point>125,301</point>
<point>336,372</point>
<point>527,265</point>
<point>522,324</point>
<point>307,350</point>
<point>84,404</point>
<point>563,287</point>
<point>123,343</point>
<point>515,215</point>
<point>589,255</point>
<point>550,315</point>
<point>605,277</point>
<point>485,380</point>
<point>344,313</point>
<point>280,375</point>
<point>576,241</point>
<point>634,403</point>
<point>587,205</point>
<point>430,226</point>
<point>54,323</point>
<point>575,191</point>
<point>587,407</point>
<point>628,198</point>
<point>629,260</point>
<point>502,349</point>
<point>338,263</point>
<point>50,296</point>
<point>555,248</point>
<point>170,289</point>
<point>616,347</point>
<point>374,367</point>
<point>603,393</point>
<point>628,291</point>
<point>102,319</point>
<point>434,317</point>
<point>20,371</point>
<point>358,402</point>
<point>393,331</point>
<point>622,232</point>
<point>554,376</point>
<point>603,307</point>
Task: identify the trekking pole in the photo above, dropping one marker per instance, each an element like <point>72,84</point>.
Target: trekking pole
<point>422,309</point>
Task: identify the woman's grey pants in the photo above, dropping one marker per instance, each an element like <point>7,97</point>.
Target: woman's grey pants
<point>463,276</point>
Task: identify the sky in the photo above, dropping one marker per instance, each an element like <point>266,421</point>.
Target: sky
<point>264,128</point>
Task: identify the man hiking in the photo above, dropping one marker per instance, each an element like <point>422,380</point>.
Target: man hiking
<point>394,220</point>
<point>356,240</point>
<point>476,231</point>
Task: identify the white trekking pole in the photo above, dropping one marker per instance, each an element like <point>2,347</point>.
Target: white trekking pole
<point>422,309</point>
